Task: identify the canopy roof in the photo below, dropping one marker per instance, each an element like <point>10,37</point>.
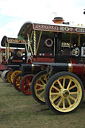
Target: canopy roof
<point>13,42</point>
<point>29,26</point>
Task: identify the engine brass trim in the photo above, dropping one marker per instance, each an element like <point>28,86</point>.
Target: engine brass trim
<point>32,67</point>
<point>69,67</point>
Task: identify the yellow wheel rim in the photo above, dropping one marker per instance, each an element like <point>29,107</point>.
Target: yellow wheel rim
<point>18,81</point>
<point>40,86</point>
<point>14,74</point>
<point>65,94</point>
<point>9,76</point>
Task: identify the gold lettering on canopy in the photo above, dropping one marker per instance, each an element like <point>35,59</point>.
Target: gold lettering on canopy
<point>56,28</point>
<point>46,27</point>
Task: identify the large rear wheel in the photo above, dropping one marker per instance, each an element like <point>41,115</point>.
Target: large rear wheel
<point>64,92</point>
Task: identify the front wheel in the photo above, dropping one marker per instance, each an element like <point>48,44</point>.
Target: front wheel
<point>9,75</point>
<point>64,92</point>
<point>14,74</point>
<point>38,86</point>
<point>16,81</point>
<point>25,84</point>
<point>4,75</point>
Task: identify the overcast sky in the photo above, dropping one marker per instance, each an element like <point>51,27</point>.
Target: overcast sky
<point>14,13</point>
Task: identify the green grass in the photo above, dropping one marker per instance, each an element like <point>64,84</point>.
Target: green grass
<point>20,111</point>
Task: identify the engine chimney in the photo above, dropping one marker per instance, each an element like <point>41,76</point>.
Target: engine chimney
<point>58,20</point>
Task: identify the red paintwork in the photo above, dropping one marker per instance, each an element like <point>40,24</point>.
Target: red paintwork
<point>17,60</point>
<point>77,68</point>
<point>2,67</point>
<point>43,59</point>
<point>3,50</point>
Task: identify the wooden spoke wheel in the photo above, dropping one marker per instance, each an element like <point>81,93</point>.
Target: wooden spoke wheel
<point>38,86</point>
<point>4,75</point>
<point>25,84</point>
<point>64,92</point>
<point>9,76</point>
<point>16,81</point>
<point>14,74</point>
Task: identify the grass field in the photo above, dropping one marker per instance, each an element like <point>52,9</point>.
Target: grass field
<point>20,111</point>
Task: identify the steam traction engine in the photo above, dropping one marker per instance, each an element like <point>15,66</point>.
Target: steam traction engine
<point>13,58</point>
<point>61,85</point>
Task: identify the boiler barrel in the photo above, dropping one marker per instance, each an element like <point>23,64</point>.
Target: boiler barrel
<point>77,68</point>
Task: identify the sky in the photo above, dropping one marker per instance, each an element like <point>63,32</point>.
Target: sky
<point>14,13</point>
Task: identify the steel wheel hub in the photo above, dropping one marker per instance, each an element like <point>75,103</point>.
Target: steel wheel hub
<point>65,93</point>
